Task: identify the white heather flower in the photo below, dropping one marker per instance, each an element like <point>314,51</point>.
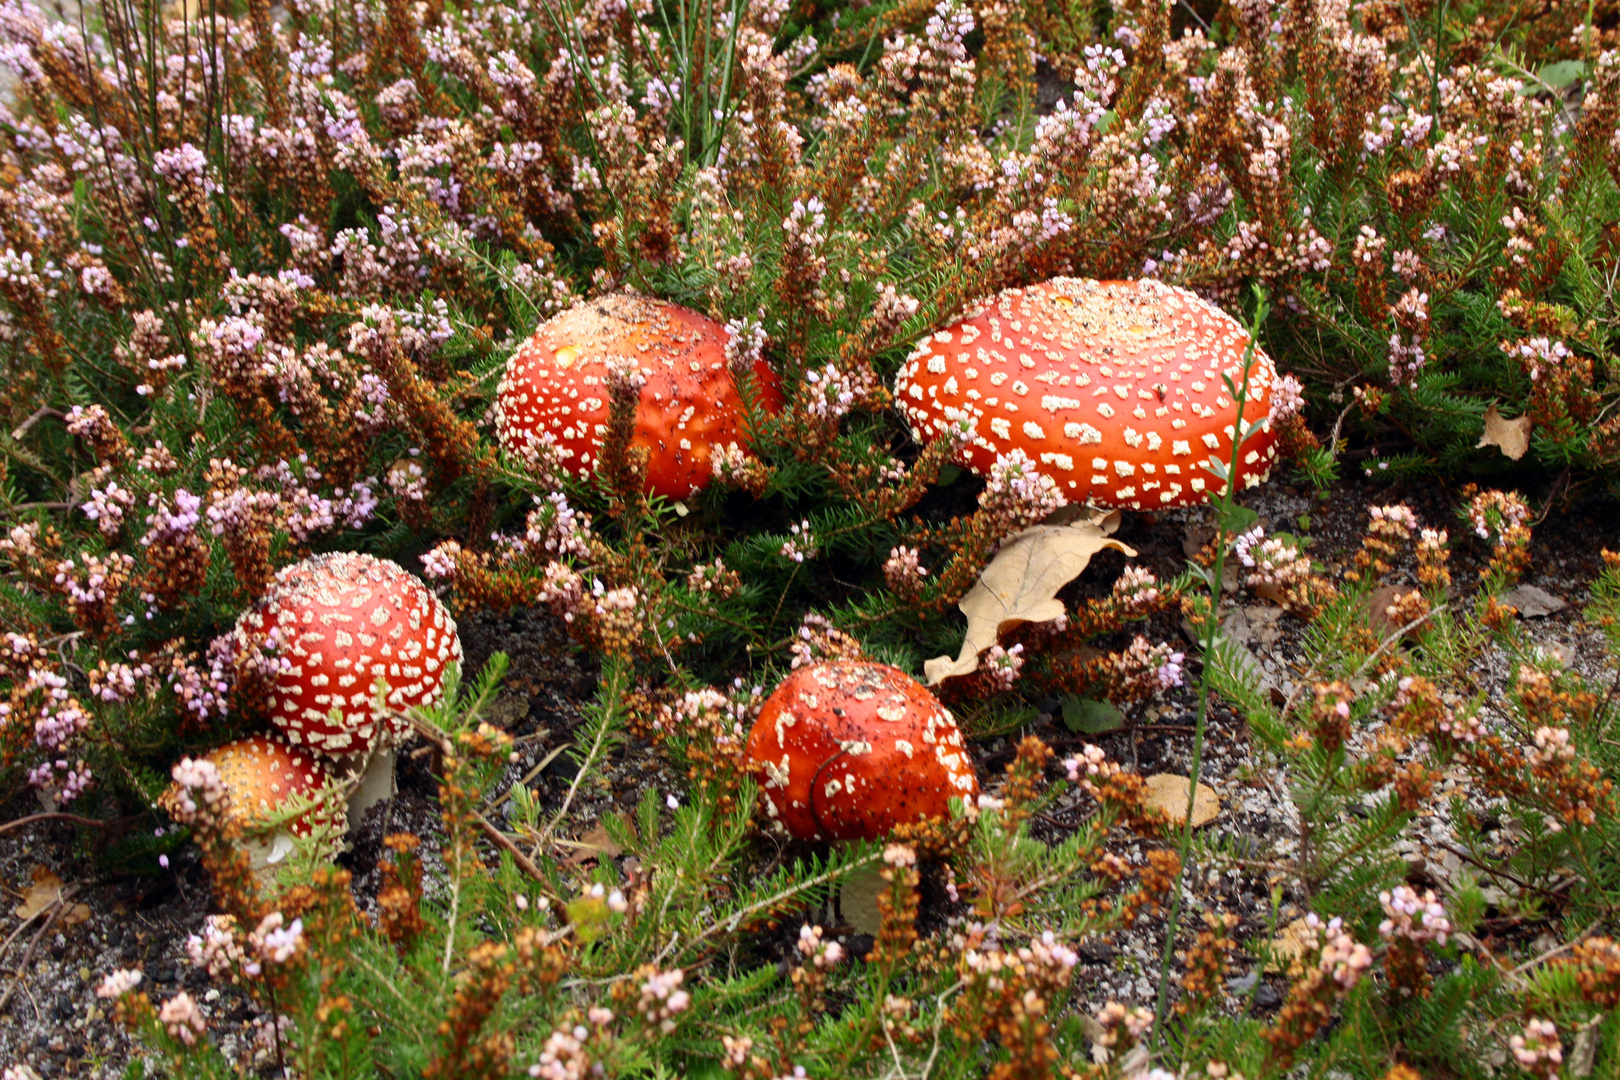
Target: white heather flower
<point>117,983</point>
<point>899,855</point>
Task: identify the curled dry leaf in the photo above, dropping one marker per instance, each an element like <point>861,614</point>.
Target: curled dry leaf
<point>43,894</point>
<point>1168,792</point>
<point>1512,437</point>
<point>594,843</point>
<point>1021,584</point>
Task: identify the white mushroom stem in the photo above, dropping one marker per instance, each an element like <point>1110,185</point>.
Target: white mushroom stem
<point>267,852</point>
<point>375,785</point>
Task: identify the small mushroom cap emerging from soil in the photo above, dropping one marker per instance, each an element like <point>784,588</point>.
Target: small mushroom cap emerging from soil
<point>557,383</point>
<point>850,749</point>
<point>341,622</point>
<point>261,772</point>
<point>1113,388</point>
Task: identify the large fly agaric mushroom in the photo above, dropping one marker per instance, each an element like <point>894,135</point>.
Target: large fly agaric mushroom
<point>848,750</point>
<point>556,384</point>
<point>261,773</point>
<point>1113,388</point>
<point>341,623</point>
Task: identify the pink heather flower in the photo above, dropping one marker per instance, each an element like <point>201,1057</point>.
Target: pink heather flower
<point>822,954</point>
<point>1136,588</point>
<point>1538,1050</point>
<point>563,1057</point>
<point>202,792</point>
<point>1019,490</point>
<point>1417,918</point>
<point>1002,666</point>
<point>439,564</point>
<point>1287,398</point>
<point>216,949</point>
<point>662,999</point>
<point>903,572</point>
<point>1091,761</point>
<point>275,941</point>
<point>182,1018</point>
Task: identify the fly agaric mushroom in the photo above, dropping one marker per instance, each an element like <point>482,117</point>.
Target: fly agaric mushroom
<point>261,773</point>
<point>556,385</point>
<point>1113,388</point>
<point>849,749</point>
<point>341,623</point>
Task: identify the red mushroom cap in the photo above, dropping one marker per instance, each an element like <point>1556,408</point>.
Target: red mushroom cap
<point>343,621</point>
<point>1112,388</point>
<point>557,382</point>
<point>848,750</point>
<point>261,773</point>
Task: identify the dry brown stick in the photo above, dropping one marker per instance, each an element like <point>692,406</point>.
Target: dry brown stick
<point>32,818</point>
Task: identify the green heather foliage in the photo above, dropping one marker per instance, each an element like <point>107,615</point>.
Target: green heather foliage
<point>263,267</point>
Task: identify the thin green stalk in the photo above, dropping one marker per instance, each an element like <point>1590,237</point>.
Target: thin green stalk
<point>1227,472</point>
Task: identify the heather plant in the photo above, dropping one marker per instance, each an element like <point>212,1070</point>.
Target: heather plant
<point>263,267</point>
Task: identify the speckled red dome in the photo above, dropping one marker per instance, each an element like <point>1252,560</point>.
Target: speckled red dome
<point>1114,389</point>
<point>556,383</point>
<point>850,749</point>
<point>341,622</point>
<point>261,772</point>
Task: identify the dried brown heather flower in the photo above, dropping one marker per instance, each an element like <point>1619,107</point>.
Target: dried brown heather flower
<point>1207,962</point>
<point>399,896</point>
<point>1329,966</point>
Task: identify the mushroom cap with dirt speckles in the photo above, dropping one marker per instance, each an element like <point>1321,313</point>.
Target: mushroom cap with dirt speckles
<point>557,382</point>
<point>261,772</point>
<point>850,749</point>
<point>344,621</point>
<point>1114,389</point>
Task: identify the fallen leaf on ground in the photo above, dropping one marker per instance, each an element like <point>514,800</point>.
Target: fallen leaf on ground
<point>1168,792</point>
<point>44,892</point>
<point>1533,603</point>
<point>1512,437</point>
<point>1378,604</point>
<point>1091,716</point>
<point>1021,584</point>
<point>594,843</point>
<point>1287,946</point>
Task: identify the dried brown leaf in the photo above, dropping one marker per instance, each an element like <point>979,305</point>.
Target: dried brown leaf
<point>1287,946</point>
<point>1021,584</point>
<point>1512,437</point>
<point>1168,792</point>
<point>594,843</point>
<point>45,891</point>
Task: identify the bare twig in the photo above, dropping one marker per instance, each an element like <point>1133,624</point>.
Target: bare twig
<point>31,819</point>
